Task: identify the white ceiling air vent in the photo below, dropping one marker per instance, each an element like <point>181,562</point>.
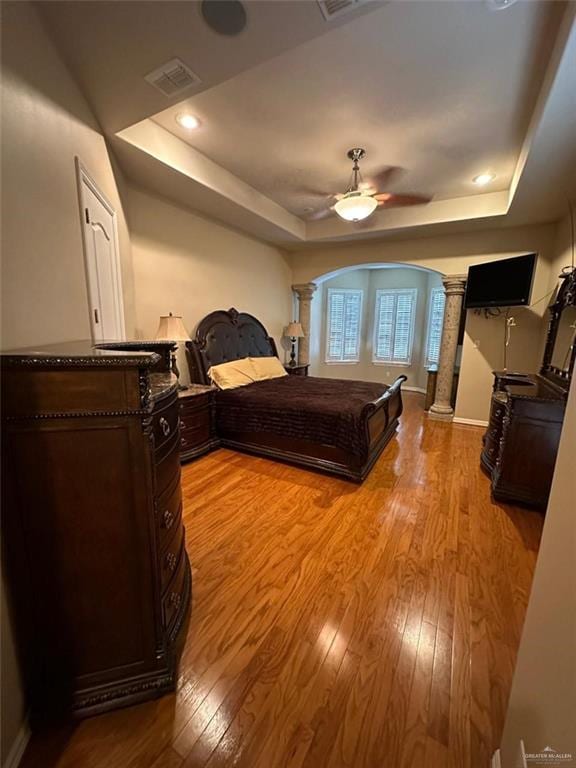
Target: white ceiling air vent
<point>332,8</point>
<point>172,78</point>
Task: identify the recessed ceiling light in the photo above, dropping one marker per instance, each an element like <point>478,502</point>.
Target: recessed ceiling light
<point>501,5</point>
<point>187,121</point>
<point>483,179</point>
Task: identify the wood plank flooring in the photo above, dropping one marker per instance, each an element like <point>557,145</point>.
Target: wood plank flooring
<point>335,625</point>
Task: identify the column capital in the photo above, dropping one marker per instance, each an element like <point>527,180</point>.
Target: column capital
<point>454,284</point>
<point>304,290</point>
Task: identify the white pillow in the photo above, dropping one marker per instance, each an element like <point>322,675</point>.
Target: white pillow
<point>267,368</point>
<point>236,373</point>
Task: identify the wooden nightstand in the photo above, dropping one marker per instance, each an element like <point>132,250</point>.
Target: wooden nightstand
<point>197,427</point>
<point>297,370</point>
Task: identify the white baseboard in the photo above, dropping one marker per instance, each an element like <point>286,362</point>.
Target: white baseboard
<point>19,745</point>
<point>495,762</point>
<point>413,389</point>
<point>469,422</point>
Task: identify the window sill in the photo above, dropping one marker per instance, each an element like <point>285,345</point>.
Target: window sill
<point>390,362</point>
<point>341,362</point>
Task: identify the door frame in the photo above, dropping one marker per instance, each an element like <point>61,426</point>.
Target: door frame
<point>83,177</point>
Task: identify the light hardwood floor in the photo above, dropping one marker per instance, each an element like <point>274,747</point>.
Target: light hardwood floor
<point>336,625</point>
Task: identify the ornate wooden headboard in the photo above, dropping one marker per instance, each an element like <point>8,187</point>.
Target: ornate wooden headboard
<point>223,336</point>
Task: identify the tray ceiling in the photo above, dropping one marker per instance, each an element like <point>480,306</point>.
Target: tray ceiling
<point>441,91</point>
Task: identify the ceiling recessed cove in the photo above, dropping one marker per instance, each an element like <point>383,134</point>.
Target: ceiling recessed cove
<point>226,17</point>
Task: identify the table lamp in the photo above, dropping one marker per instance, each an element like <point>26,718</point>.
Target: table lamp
<point>171,328</point>
<point>293,331</point>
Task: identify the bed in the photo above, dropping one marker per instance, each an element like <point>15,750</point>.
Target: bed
<point>337,426</point>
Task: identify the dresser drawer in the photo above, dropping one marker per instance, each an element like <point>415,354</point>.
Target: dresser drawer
<point>174,596</point>
<point>169,515</point>
<point>197,403</point>
<point>497,411</point>
<point>168,466</point>
<point>194,439</point>
<point>165,422</point>
<point>195,420</point>
<point>170,557</point>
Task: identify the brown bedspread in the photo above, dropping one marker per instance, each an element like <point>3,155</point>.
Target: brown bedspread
<point>326,411</point>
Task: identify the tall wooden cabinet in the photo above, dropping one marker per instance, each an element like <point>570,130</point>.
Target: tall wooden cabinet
<point>92,525</point>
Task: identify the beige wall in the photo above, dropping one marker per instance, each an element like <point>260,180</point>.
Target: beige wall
<point>483,348</point>
<point>564,249</point>
<point>542,706</point>
<point>190,266</point>
<point>453,254</point>
<point>46,122</point>
<point>370,280</point>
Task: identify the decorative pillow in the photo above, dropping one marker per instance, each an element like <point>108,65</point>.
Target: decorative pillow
<point>267,368</point>
<point>236,373</point>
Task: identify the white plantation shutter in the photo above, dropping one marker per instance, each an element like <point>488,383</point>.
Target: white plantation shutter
<point>394,325</point>
<point>344,320</point>
<point>435,322</point>
<point>384,326</point>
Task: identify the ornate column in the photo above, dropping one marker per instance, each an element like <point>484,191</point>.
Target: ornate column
<point>304,292</point>
<point>454,286</point>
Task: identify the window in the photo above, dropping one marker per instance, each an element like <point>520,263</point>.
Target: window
<point>435,322</point>
<point>343,325</point>
<point>394,326</point>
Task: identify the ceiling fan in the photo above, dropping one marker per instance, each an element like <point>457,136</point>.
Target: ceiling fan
<point>361,200</point>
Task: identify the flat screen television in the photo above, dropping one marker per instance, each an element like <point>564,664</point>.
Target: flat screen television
<point>504,283</point>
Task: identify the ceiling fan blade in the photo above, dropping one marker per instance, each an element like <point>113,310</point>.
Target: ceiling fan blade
<point>384,177</point>
<point>323,213</point>
<point>312,192</point>
<point>390,200</point>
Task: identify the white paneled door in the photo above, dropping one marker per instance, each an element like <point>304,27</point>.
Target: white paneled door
<point>102,257</point>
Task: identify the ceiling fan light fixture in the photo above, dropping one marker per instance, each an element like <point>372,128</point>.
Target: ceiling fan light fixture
<point>355,206</point>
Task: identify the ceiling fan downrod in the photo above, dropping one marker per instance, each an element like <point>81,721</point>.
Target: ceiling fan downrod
<point>355,154</point>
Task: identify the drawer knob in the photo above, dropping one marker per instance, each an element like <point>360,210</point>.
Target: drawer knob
<point>171,561</point>
<point>175,599</point>
<point>164,426</point>
<point>168,518</point>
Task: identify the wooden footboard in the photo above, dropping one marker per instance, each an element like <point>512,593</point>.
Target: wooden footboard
<point>380,419</point>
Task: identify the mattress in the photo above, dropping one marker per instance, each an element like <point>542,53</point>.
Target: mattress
<point>325,411</point>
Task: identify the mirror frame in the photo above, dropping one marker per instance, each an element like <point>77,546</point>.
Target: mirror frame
<point>566,297</point>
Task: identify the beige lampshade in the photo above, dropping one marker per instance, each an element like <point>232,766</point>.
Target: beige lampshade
<point>294,330</point>
<point>171,328</point>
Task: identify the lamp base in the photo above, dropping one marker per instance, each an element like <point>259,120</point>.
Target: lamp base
<point>292,362</point>
<point>176,372</point>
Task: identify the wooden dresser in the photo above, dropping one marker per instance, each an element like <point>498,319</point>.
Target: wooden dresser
<point>521,442</point>
<point>98,573</point>
<point>527,411</point>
